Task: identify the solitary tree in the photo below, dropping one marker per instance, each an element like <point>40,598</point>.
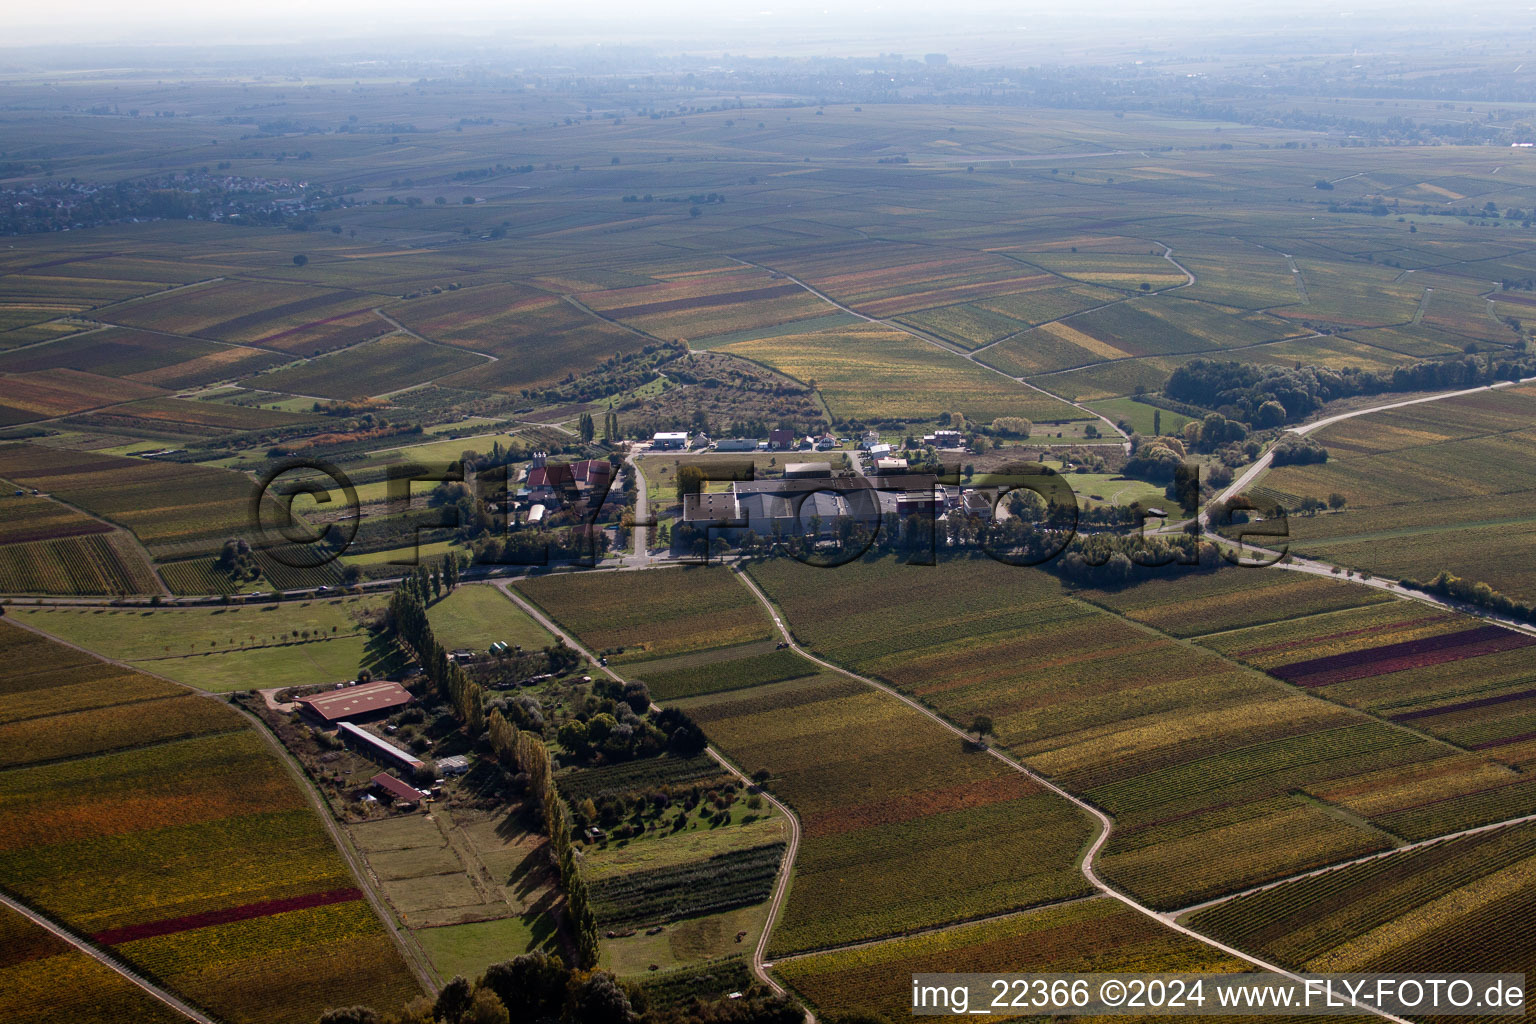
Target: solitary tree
<point>981,725</point>
<point>300,260</point>
<point>690,480</point>
<point>587,427</point>
<point>1337,501</point>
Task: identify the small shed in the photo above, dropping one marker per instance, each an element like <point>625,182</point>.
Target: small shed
<point>458,764</point>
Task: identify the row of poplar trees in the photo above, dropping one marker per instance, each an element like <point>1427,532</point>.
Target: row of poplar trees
<point>517,750</point>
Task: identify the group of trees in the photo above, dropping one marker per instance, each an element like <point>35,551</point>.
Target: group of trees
<point>537,988</point>
<point>408,616</point>
<point>1480,595</point>
<point>618,725</point>
<point>524,752</point>
<point>1268,396</point>
<point>1012,426</point>
<point>1298,451</point>
<point>236,561</point>
<point>518,751</point>
<point>1115,560</point>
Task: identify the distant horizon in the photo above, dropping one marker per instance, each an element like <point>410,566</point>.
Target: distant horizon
<point>978,31</point>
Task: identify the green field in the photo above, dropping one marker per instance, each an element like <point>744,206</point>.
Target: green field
<point>234,648</point>
<point>474,616</point>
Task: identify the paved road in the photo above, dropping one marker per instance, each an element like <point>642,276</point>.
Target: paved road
<point>1256,470</point>
<point>792,848</point>
<point>1105,823</point>
<point>641,556</point>
<point>153,990</point>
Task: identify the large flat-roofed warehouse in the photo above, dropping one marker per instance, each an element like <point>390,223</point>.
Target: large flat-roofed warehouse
<point>351,703</point>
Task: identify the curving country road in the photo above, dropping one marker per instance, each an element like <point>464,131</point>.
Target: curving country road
<point>1105,822</point>
<point>1263,462</point>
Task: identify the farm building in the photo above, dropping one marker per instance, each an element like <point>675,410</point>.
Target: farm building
<point>458,764</point>
<point>401,794</point>
<point>736,444</point>
<point>670,440</point>
<point>787,506</point>
<point>804,470</point>
<point>710,507</point>
<point>361,702</point>
<point>889,465</point>
<point>372,746</point>
<point>977,503</point>
<point>914,503</point>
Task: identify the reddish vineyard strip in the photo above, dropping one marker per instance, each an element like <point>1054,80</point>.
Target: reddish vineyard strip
<point>911,806</point>
<point>266,908</point>
<point>1466,705</point>
<point>47,531</point>
<point>383,327</point>
<point>1376,661</point>
<point>704,301</point>
<point>1503,741</point>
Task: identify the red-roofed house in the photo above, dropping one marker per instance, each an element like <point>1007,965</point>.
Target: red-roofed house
<point>563,477</point>
<point>351,703</point>
<point>402,794</point>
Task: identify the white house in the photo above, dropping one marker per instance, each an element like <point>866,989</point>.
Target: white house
<point>667,440</point>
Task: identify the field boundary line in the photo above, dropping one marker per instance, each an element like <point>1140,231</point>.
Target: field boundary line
<point>1106,823</point>
<point>594,314</point>
<point>1341,865</point>
<point>378,311</point>
<point>970,357</point>
<point>59,931</point>
<point>792,844</point>
<point>933,929</point>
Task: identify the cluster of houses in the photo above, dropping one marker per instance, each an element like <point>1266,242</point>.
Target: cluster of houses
<point>791,441</point>
<point>550,487</point>
<point>778,441</point>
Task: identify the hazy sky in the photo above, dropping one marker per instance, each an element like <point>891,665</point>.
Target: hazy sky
<point>752,25</point>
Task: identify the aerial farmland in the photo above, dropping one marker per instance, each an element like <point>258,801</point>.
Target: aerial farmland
<point>496,527</point>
